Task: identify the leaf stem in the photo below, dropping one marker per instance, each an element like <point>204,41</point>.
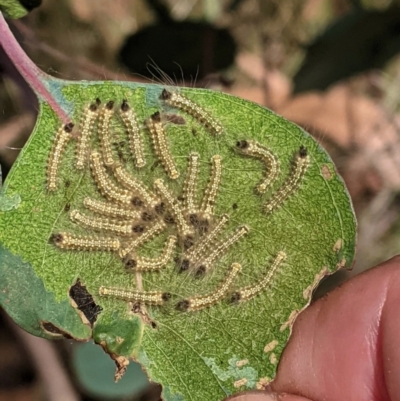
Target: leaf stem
<point>29,71</point>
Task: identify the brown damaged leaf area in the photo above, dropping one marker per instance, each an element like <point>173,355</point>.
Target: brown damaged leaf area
<point>121,362</point>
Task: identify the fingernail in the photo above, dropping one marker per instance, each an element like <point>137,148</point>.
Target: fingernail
<point>254,396</point>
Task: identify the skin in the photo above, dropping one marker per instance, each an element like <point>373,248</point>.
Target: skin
<point>345,346</point>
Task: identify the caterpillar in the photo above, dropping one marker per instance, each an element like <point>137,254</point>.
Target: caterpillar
<point>271,162</point>
<point>130,182</point>
<point>246,293</point>
<point>145,297</point>
<point>60,142</point>
<point>221,248</point>
<point>205,301</point>
<point>86,127</point>
<point>201,247</point>
<point>106,187</point>
<point>161,147</point>
<point>102,223</point>
<point>292,182</point>
<point>141,263</point>
<point>174,207</point>
<point>207,207</point>
<point>190,185</point>
<point>149,234</point>
<point>181,102</point>
<point>68,241</point>
<point>105,117</point>
<point>110,209</point>
<point>135,139</point>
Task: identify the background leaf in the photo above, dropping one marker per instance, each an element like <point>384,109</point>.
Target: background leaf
<point>94,370</point>
<point>18,9</point>
<point>195,355</point>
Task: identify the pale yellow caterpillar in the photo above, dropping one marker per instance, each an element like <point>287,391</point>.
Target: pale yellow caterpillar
<point>60,142</point>
<point>271,162</point>
<point>102,223</point>
<point>69,241</point>
<point>161,146</point>
<point>86,128</point>
<point>207,207</point>
<point>174,208</point>
<point>292,182</point>
<point>156,228</point>
<point>200,248</point>
<point>106,187</point>
<point>135,138</point>
<point>220,249</point>
<point>145,297</point>
<point>110,209</point>
<point>130,182</point>
<point>105,117</point>
<point>246,293</point>
<point>190,185</point>
<point>205,301</point>
<point>181,102</point>
<point>141,263</point>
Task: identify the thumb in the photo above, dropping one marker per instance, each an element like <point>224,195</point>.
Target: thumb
<point>349,337</point>
<point>265,396</point>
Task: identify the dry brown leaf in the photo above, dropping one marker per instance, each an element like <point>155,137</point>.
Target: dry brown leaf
<point>354,122</point>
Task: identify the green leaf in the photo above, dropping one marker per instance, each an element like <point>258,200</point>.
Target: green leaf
<point>13,9</point>
<point>203,354</point>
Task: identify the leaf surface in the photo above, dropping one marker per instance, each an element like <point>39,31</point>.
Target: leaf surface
<point>203,354</point>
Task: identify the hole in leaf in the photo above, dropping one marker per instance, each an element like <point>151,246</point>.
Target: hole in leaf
<point>52,329</point>
<point>84,302</point>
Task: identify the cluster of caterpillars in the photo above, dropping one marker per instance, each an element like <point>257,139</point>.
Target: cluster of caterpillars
<point>127,213</point>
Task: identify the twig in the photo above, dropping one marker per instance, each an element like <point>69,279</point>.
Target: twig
<point>29,71</point>
<point>81,62</point>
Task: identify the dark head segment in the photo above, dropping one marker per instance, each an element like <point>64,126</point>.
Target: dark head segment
<point>303,152</point>
<point>235,297</point>
<point>183,306</point>
<point>169,219</point>
<point>165,95</point>
<point>202,226</point>
<point>93,107</point>
<point>110,105</point>
<point>156,117</point>
<point>194,219</point>
<point>242,144</point>
<point>188,241</point>
<point>160,208</point>
<point>69,127</point>
<point>129,262</point>
<point>200,271</point>
<point>136,308</point>
<point>136,201</point>
<point>166,296</point>
<point>146,216</point>
<point>183,264</point>
<point>125,105</point>
<point>56,239</point>
<point>98,101</point>
<point>138,228</point>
